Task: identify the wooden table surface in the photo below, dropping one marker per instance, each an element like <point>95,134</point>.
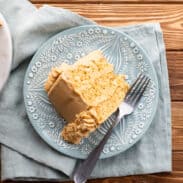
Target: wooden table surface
<point>125,12</point>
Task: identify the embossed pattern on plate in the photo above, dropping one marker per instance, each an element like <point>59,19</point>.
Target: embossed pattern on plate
<point>68,46</point>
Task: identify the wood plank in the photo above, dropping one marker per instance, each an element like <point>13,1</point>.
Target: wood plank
<point>178,161</point>
<point>169,15</point>
<point>154,178</point>
<point>178,143</point>
<point>177,114</point>
<point>177,126</point>
<point>138,179</point>
<point>174,177</point>
<point>107,1</point>
<point>175,68</point>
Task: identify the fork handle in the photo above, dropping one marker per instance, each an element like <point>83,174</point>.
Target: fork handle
<point>84,170</point>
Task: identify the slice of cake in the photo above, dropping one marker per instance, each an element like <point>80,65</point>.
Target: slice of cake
<point>85,94</point>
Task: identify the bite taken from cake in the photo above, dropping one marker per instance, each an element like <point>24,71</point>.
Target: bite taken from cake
<point>85,94</point>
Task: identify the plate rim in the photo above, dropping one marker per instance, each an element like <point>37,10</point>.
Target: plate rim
<point>52,144</point>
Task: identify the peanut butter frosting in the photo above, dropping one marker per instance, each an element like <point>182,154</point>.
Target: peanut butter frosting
<point>85,94</point>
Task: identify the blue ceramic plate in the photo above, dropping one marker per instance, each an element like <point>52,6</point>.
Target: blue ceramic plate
<point>68,46</point>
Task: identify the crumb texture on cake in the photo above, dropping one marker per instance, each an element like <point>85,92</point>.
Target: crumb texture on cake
<point>85,94</point>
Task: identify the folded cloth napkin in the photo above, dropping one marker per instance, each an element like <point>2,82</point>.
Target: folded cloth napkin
<point>5,51</point>
<point>26,156</point>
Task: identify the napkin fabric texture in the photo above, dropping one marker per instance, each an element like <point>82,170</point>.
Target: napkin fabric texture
<point>5,51</point>
<point>24,154</point>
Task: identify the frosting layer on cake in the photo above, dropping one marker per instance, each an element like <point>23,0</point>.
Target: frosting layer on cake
<point>85,94</point>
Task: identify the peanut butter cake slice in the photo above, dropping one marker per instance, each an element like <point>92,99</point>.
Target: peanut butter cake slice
<point>85,94</point>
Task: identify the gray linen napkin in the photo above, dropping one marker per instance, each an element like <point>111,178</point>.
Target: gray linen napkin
<point>31,27</point>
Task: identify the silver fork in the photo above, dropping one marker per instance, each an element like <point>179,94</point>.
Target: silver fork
<point>83,171</point>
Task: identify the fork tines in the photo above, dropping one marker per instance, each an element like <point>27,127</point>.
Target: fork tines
<point>137,89</point>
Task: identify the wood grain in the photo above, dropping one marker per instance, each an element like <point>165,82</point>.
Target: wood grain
<point>177,126</point>
<point>174,177</point>
<point>169,15</point>
<point>177,161</point>
<point>167,178</point>
<point>177,114</point>
<point>175,68</point>
<point>107,1</point>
